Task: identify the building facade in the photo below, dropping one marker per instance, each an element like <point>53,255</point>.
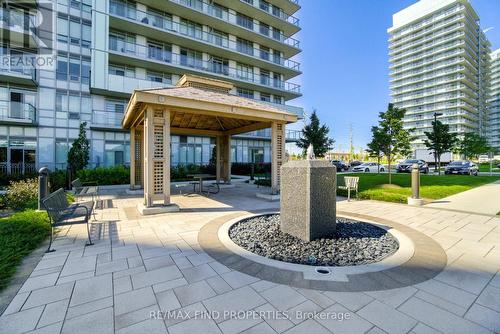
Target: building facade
<point>439,63</point>
<point>107,48</point>
<point>494,120</point>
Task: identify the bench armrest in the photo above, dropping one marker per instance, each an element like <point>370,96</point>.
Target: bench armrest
<point>90,183</point>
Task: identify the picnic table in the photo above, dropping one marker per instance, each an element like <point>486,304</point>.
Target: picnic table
<point>200,178</point>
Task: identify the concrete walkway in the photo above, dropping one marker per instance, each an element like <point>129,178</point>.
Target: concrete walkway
<point>139,266</point>
<point>484,199</point>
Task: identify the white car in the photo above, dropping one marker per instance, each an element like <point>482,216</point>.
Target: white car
<point>368,167</point>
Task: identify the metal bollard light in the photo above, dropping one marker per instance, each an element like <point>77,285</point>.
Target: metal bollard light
<point>43,185</point>
<point>415,187</point>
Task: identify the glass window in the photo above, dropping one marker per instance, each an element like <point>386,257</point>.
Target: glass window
<point>264,77</point>
<point>61,101</point>
<point>245,93</point>
<point>62,68</point>
<point>85,71</point>
<point>86,35</point>
<point>74,69</point>
<point>264,29</point>
<point>221,38</point>
<point>264,5</point>
<point>62,29</point>
<point>75,30</point>
<point>219,65</point>
<point>264,52</point>
<point>244,21</point>
<point>245,46</point>
<point>74,103</point>
<point>265,97</point>
<point>220,11</point>
<point>244,71</point>
<point>61,154</point>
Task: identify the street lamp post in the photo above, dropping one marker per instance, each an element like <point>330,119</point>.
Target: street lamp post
<point>436,114</point>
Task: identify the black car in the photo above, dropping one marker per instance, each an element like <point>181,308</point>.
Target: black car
<point>405,166</point>
<point>355,163</point>
<point>464,167</point>
<point>341,166</point>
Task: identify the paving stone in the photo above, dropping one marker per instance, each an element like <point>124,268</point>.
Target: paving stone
<point>438,318</point>
<point>192,293</point>
<point>50,329</point>
<point>283,297</point>
<point>96,322</point>
<point>16,303</point>
<point>149,326</point>
<point>316,297</point>
<point>134,300</point>
<point>182,262</point>
<point>387,318</point>
<point>352,324</point>
<point>49,295</point>
<point>219,267</point>
<point>198,273</point>
<point>393,297</point>
<point>167,300</point>
<point>308,327</point>
<point>354,301</point>
<point>420,328</point>
<point>442,303</point>
<point>38,282</point>
<point>199,259</point>
<point>303,311</point>
<point>75,277</point>
<point>112,266</point>
<point>169,285</point>
<point>218,284</point>
<point>50,262</point>
<point>155,276</point>
<point>188,312</point>
<point>195,326</point>
<point>158,262</point>
<point>485,317</point>
<point>239,324</point>
<point>242,299</point>
<point>79,265</point>
<point>262,328</point>
<point>89,307</point>
<point>469,280</point>
<point>122,284</point>
<point>20,322</point>
<point>490,297</point>
<point>276,320</point>
<point>448,292</point>
<point>236,279</point>
<point>53,313</point>
<point>124,252</point>
<point>135,261</point>
<point>262,285</point>
<point>91,289</point>
<point>134,317</point>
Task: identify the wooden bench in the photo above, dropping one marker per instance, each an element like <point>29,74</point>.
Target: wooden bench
<point>62,213</point>
<point>85,189</point>
<point>350,183</point>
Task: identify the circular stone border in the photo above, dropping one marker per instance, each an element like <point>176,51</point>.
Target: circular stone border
<point>335,273</point>
<point>418,259</point>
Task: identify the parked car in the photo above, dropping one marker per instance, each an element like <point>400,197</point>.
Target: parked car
<point>341,166</point>
<point>369,167</point>
<point>483,158</point>
<point>355,163</point>
<point>464,167</point>
<point>405,166</point>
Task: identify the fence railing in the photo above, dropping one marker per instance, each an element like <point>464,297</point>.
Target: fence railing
<point>17,112</point>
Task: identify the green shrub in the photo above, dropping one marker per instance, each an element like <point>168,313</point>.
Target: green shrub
<point>19,235</point>
<point>58,179</point>
<point>105,175</point>
<point>22,194</point>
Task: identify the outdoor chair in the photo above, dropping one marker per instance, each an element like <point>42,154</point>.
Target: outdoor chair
<point>350,184</point>
<point>62,213</point>
<point>85,189</point>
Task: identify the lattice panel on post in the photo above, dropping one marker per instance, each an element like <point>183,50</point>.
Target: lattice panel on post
<point>158,142</point>
<point>138,157</point>
<point>158,113</point>
<point>158,177</point>
<point>279,150</point>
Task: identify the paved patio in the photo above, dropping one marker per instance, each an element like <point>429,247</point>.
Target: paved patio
<point>139,266</point>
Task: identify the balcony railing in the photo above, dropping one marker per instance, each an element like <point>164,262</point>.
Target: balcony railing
<point>19,168</point>
<point>15,19</point>
<point>214,66</point>
<point>107,119</point>
<point>290,135</point>
<point>166,24</point>
<point>220,14</point>
<point>127,85</point>
<point>9,66</point>
<point>17,112</point>
<point>279,13</point>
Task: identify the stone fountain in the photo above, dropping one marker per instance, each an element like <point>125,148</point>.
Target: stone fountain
<point>308,198</point>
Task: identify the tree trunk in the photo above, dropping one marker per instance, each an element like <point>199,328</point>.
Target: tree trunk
<point>389,167</point>
<point>378,165</point>
<point>439,164</point>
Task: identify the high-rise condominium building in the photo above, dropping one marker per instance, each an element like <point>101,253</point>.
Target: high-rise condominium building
<point>494,121</point>
<point>439,64</point>
<point>107,48</point>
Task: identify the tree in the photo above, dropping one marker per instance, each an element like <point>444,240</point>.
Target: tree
<point>440,141</point>
<point>378,145</point>
<point>78,155</point>
<point>398,138</point>
<point>472,145</point>
<point>316,135</point>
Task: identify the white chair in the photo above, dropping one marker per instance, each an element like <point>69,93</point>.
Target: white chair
<point>350,183</point>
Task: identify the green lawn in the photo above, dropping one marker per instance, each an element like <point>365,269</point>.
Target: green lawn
<point>372,186</point>
<point>19,235</point>
<point>485,167</point>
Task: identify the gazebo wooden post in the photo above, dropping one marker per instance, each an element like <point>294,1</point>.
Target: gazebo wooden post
<point>218,159</point>
<point>166,157</point>
<point>277,155</point>
<point>226,158</point>
<point>148,137</point>
<point>132,158</point>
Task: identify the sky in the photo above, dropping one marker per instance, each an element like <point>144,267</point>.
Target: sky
<point>344,61</point>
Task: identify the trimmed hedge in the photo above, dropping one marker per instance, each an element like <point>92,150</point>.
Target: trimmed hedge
<point>105,175</point>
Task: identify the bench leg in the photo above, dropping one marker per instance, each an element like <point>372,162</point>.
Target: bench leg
<point>348,194</point>
<point>89,243</point>
<point>50,250</point>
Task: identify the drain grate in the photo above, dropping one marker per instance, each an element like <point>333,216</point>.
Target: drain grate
<point>323,271</point>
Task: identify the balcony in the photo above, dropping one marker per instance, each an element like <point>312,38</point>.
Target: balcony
<point>11,72</point>
<point>148,57</point>
<point>16,25</point>
<point>124,86</point>
<point>217,18</point>
<point>106,120</point>
<point>17,113</point>
<point>290,135</point>
<point>164,29</point>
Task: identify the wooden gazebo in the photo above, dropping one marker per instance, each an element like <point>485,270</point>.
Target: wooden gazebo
<point>195,106</point>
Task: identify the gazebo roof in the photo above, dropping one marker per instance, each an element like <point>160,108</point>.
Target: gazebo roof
<point>205,106</point>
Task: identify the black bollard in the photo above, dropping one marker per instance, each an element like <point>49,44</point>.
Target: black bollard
<point>43,185</point>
